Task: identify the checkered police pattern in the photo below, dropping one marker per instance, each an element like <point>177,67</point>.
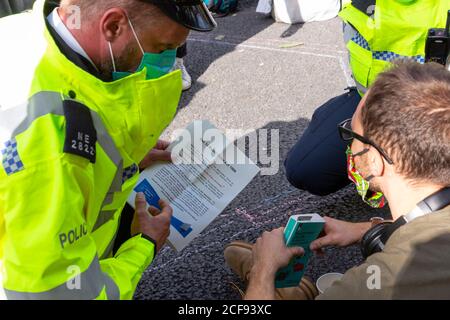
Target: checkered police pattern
<point>360,41</point>
<point>11,160</point>
<point>392,56</point>
<point>129,172</point>
<point>384,55</point>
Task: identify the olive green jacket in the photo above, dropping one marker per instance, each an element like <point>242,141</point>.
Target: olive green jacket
<point>415,264</point>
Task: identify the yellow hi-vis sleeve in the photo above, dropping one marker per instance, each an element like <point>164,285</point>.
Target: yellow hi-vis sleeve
<point>47,250</point>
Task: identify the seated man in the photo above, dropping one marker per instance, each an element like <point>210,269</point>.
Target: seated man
<point>400,147</point>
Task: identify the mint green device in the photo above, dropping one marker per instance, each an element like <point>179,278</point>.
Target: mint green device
<point>300,231</point>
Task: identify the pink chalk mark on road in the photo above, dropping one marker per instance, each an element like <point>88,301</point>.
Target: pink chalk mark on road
<point>243,212</point>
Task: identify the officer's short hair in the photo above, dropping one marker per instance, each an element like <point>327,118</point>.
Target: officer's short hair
<point>138,11</point>
<point>407,113</point>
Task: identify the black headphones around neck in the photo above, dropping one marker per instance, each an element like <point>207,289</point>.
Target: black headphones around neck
<point>375,239</point>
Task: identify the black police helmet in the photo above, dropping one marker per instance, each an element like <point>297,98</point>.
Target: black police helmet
<point>192,14</point>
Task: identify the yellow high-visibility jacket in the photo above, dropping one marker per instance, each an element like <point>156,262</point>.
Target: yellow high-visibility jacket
<point>389,31</point>
<point>70,144</point>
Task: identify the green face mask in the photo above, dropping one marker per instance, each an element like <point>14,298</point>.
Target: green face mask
<point>373,199</point>
<point>157,64</point>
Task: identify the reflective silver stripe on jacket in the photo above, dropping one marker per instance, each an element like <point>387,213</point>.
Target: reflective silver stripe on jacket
<point>87,285</point>
<point>349,34</point>
<point>116,186</point>
<point>16,120</point>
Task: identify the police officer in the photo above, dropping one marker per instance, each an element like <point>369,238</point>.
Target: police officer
<point>86,90</point>
<point>376,34</point>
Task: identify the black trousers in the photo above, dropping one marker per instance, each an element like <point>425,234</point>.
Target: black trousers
<point>182,51</point>
<point>317,163</point>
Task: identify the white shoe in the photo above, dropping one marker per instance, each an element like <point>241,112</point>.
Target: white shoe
<point>187,80</point>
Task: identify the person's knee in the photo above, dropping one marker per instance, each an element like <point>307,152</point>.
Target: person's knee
<point>317,161</point>
<point>305,177</point>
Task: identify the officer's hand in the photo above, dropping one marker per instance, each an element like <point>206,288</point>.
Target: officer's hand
<point>270,253</point>
<point>152,222</point>
<point>339,233</point>
<point>158,153</point>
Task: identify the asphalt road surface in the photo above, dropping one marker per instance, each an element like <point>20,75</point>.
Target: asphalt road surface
<point>252,73</point>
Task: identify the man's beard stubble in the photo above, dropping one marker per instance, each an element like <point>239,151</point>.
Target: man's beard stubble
<point>122,62</point>
<point>364,170</point>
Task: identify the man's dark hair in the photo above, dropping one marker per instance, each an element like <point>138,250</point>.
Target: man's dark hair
<point>407,113</point>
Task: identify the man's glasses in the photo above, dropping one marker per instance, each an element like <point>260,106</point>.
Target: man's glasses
<point>347,134</point>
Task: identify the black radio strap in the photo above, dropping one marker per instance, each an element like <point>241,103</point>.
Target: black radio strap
<point>363,5</point>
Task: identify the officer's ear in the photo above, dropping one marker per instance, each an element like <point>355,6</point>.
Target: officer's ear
<point>114,23</point>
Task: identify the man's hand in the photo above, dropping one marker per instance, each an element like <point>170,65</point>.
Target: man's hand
<point>340,233</point>
<point>152,222</point>
<point>270,252</point>
<point>158,153</point>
